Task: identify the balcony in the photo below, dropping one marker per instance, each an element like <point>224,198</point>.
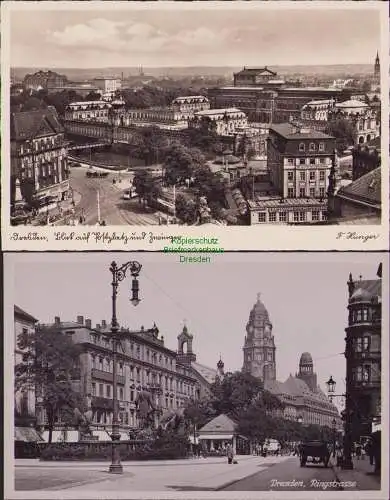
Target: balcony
<point>360,355</point>
<point>107,376</point>
<point>102,403</point>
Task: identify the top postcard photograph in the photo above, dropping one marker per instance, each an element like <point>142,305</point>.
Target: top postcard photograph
<point>205,126</point>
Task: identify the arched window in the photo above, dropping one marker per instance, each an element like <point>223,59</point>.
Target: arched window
<point>302,146</point>
<point>312,146</point>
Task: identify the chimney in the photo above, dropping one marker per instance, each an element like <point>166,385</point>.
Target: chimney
<point>80,320</point>
<point>57,320</point>
<point>88,323</point>
<point>98,327</point>
<point>104,324</point>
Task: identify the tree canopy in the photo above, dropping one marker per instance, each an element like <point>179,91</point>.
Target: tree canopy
<point>50,366</point>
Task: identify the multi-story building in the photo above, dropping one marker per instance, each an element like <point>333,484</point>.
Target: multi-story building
<point>143,363</point>
<point>43,80</point>
<point>107,85</point>
<point>254,77</point>
<point>363,353</point>
<point>82,89</point>
<point>299,164</point>
<point>223,122</point>
<point>364,119</point>
<point>38,156</point>
<point>94,111</point>
<point>317,111</point>
<point>151,117</point>
<point>366,157</point>
<point>188,105</point>
<point>24,324</point>
<point>301,396</point>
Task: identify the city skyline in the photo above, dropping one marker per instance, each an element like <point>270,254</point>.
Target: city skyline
<point>173,291</point>
<point>148,37</point>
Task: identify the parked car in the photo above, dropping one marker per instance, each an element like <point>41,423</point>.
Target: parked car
<point>315,452</point>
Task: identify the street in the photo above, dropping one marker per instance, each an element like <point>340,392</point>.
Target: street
<point>287,476</point>
<point>212,474</point>
<point>114,211</point>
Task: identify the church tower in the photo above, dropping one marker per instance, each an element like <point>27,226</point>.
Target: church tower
<point>184,340</point>
<point>377,69</point>
<point>259,347</point>
<point>306,371</point>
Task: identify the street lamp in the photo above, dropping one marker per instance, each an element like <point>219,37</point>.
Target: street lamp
<point>334,423</point>
<point>118,275</point>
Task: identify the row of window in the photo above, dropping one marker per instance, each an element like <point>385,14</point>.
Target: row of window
<point>303,175</point>
<point>364,315</point>
<point>304,193</point>
<point>298,216</point>
<point>307,161</point>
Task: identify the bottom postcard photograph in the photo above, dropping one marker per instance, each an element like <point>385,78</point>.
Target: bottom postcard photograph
<point>133,375</point>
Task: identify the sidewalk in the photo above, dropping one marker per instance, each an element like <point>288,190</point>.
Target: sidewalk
<point>171,475</point>
<point>362,475</point>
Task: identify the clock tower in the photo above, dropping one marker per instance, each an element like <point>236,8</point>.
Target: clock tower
<point>259,347</point>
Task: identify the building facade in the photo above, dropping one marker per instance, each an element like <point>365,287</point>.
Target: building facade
<point>224,122</point>
<point>43,80</point>
<point>94,111</point>
<point>38,156</point>
<point>363,353</point>
<point>253,77</point>
<point>299,162</point>
<point>24,324</point>
<point>259,346</point>
<point>107,85</point>
<point>188,105</point>
<point>364,119</point>
<point>317,111</point>
<point>143,363</point>
<point>365,158</point>
<point>301,396</point>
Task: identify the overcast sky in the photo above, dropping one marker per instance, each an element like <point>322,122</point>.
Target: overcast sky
<point>152,37</point>
<point>305,294</point>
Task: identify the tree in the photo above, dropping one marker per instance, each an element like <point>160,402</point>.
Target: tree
<point>93,96</point>
<point>199,412</point>
<point>49,366</point>
<point>181,162</point>
<point>186,209</point>
<point>147,187</point>
<point>343,130</point>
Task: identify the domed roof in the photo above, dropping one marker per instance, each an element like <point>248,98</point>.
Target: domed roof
<point>259,308</point>
<point>306,359</point>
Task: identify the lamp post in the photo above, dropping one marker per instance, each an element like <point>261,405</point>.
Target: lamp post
<point>334,436</point>
<point>118,275</point>
<point>347,463</point>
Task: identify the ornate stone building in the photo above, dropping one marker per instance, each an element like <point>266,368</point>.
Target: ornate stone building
<point>363,352</point>
<point>38,156</point>
<point>44,80</point>
<point>301,396</point>
<point>225,122</point>
<point>143,363</point>
<point>259,347</point>
<point>88,111</point>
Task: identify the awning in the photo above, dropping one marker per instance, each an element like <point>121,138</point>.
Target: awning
<point>27,435</point>
<point>216,437</point>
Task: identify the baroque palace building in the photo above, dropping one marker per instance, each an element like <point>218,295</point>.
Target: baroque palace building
<point>301,395</point>
<point>144,363</point>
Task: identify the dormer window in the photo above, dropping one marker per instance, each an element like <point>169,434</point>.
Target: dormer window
<point>321,146</point>
<point>302,146</point>
<point>312,146</point>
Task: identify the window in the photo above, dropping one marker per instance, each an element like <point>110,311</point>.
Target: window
<point>302,192</point>
<point>93,389</point>
<point>290,175</point>
<point>290,192</point>
<point>138,375</point>
<point>301,146</point>
<point>302,216</point>
<point>93,358</point>
<point>312,146</point>
<point>101,364</point>
<point>282,216</point>
<point>131,395</point>
<point>321,146</point>
<point>312,192</point>
<point>322,161</point>
<point>101,390</point>
<point>362,344</point>
<point>365,314</point>
<point>312,161</point>
<point>108,391</point>
<point>290,161</point>
<point>262,216</point>
<point>302,175</point>
<point>302,161</point>
<point>312,176</point>
<point>296,216</point>
<point>315,215</point>
<point>120,370</point>
<point>272,217</point>
<point>121,396</point>
<point>322,192</point>
<point>362,373</point>
<point>322,175</point>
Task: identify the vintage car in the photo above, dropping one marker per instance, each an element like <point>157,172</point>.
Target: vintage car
<point>94,173</point>
<point>315,452</point>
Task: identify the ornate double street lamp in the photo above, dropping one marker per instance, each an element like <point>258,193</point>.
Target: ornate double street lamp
<point>347,462</point>
<point>118,275</point>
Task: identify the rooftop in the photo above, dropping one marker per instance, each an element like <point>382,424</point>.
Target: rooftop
<point>290,131</point>
<point>196,97</point>
<point>19,312</point>
<point>352,103</point>
<point>277,202</point>
<point>366,189</point>
<point>222,424</point>
<point>206,372</point>
<point>218,111</point>
<point>256,71</point>
<point>29,124</point>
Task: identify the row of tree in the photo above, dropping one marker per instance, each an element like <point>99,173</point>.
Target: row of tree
<point>258,412</point>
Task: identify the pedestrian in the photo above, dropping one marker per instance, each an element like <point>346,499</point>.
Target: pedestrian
<point>229,453</point>
<point>358,451</point>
